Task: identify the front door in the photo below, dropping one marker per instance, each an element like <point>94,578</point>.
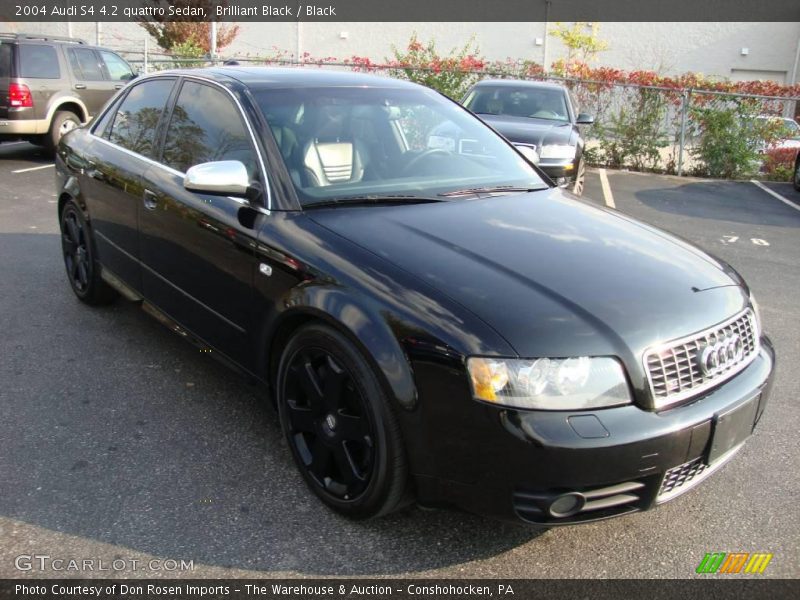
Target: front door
<point>197,250</point>
<point>89,79</point>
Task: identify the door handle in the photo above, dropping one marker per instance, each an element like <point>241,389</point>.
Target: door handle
<point>150,200</point>
<point>119,86</point>
<point>80,86</point>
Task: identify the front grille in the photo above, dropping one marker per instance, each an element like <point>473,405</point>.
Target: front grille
<point>679,476</point>
<point>684,477</point>
<point>674,371</point>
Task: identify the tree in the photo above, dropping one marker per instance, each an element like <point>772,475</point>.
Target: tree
<point>581,40</point>
<point>185,33</point>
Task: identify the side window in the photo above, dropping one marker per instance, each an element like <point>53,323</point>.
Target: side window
<point>85,64</point>
<point>118,69</point>
<point>101,127</point>
<point>135,122</point>
<point>206,126</point>
<point>38,62</point>
<point>5,60</point>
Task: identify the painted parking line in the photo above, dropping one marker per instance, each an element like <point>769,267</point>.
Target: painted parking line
<point>32,169</point>
<point>607,195</point>
<point>775,194</point>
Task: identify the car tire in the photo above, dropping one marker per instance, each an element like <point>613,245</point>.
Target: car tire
<point>796,178</point>
<point>580,178</point>
<point>340,426</point>
<point>63,122</point>
<point>77,246</point>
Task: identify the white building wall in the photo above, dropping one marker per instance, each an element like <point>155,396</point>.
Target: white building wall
<point>670,48</point>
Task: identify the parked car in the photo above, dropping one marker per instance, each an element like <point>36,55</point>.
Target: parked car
<point>796,178</point>
<point>541,119</point>
<point>437,323</point>
<point>50,85</point>
<point>788,132</point>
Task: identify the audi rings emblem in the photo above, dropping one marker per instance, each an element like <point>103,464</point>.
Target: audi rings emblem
<point>726,352</point>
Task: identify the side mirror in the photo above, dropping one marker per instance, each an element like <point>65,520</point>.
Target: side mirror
<point>584,119</point>
<point>223,177</point>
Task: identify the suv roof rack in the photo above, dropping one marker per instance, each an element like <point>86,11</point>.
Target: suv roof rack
<point>40,37</point>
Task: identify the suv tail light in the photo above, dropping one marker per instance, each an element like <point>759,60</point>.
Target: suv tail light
<point>19,96</point>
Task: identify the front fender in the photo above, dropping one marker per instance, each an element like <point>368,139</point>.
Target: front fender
<point>357,319</point>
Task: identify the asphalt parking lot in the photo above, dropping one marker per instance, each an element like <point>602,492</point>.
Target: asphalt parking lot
<point>121,441</point>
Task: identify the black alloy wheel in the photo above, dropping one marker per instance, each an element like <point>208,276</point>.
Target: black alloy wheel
<point>77,247</point>
<point>339,426</point>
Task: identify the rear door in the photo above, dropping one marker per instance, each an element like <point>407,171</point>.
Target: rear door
<point>197,250</point>
<point>123,146</point>
<point>89,78</point>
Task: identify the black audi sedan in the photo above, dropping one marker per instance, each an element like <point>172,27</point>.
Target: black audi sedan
<point>539,118</point>
<point>433,321</point>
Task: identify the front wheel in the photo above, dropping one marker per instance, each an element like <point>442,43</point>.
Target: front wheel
<point>339,425</point>
<point>77,247</point>
<point>580,178</point>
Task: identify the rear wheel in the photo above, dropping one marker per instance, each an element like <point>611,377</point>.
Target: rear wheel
<point>63,122</point>
<point>339,426</point>
<point>796,179</point>
<point>77,247</point>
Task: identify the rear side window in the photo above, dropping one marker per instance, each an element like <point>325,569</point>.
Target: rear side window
<point>118,69</point>
<point>5,60</point>
<point>85,64</point>
<point>206,126</point>
<point>135,122</point>
<point>38,62</point>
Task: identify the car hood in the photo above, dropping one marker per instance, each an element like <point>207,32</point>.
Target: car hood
<point>527,130</point>
<point>553,275</point>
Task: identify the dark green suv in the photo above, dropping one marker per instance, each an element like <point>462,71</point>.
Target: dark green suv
<point>50,85</point>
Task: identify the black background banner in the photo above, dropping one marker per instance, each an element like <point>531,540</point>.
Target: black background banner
<point>406,10</point>
<point>722,588</point>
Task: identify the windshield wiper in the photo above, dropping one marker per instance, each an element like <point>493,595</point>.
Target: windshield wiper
<point>371,199</point>
<point>498,189</point>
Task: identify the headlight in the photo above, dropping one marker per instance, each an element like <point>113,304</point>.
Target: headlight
<point>756,312</point>
<point>549,383</point>
<point>529,153</point>
<point>558,151</point>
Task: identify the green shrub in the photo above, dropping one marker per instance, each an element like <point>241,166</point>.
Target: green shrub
<point>633,136</point>
<point>452,75</point>
<point>731,139</point>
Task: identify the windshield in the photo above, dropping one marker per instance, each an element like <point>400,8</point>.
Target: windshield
<point>345,142</point>
<point>538,103</point>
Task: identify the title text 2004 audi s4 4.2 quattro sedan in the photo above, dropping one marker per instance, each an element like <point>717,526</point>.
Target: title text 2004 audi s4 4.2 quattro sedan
<point>433,321</point>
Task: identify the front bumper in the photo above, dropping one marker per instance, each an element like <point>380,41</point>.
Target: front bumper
<point>556,468</point>
<point>562,172</point>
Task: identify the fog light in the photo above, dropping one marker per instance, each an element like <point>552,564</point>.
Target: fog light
<point>562,181</point>
<point>567,505</point>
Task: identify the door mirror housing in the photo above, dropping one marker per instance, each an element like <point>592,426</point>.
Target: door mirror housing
<point>584,119</point>
<point>222,177</point>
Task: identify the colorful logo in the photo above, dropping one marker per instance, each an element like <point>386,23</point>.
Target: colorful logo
<point>734,562</point>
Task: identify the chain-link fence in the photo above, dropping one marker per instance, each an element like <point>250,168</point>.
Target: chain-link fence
<point>647,128</point>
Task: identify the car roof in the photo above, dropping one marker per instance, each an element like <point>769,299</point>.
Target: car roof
<point>279,77</point>
<point>517,83</point>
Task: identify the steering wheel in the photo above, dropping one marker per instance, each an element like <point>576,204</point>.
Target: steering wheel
<point>422,156</point>
<point>545,114</point>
